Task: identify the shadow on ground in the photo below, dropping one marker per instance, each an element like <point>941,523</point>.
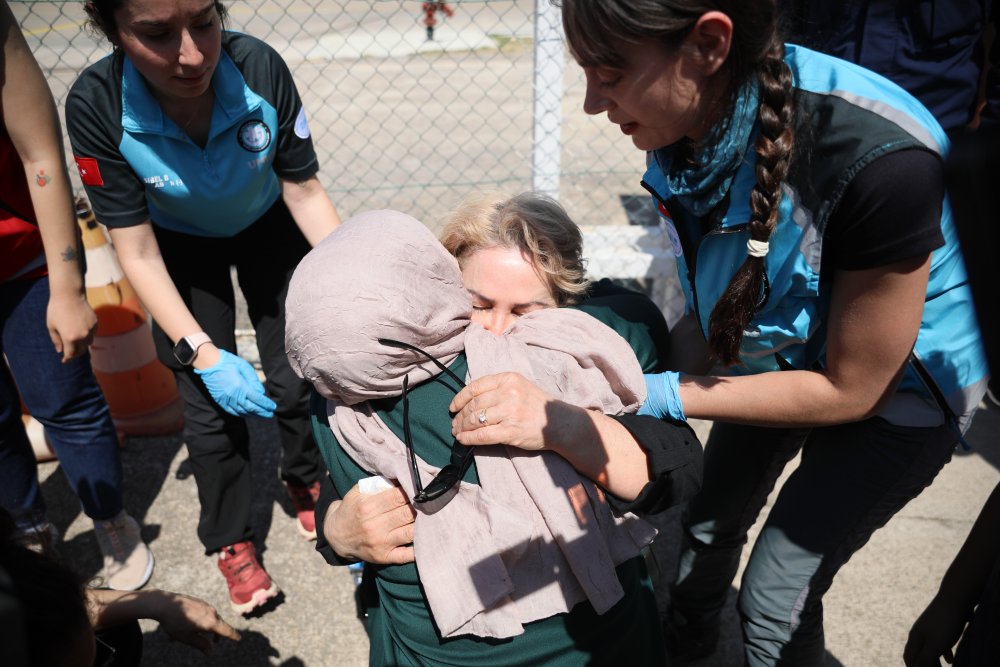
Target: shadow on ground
<point>253,650</point>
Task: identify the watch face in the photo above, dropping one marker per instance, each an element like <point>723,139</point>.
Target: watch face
<point>184,352</point>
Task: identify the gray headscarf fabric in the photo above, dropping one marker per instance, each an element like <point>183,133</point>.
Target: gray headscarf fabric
<point>380,274</point>
<point>535,537</point>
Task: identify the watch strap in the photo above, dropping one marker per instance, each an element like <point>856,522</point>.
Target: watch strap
<point>196,340</point>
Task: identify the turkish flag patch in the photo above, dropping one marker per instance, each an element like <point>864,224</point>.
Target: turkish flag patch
<point>90,173</point>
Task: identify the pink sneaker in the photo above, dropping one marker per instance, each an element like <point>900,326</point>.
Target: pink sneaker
<point>304,500</point>
<point>249,585</point>
<point>128,562</point>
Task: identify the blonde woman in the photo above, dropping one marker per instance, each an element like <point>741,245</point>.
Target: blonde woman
<point>518,254</point>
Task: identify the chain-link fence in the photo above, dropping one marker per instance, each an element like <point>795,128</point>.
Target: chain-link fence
<point>414,105</point>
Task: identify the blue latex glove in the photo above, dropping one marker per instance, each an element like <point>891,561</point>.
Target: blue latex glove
<point>233,384</point>
<point>663,397</point>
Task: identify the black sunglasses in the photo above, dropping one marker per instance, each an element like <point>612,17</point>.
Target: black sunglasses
<point>461,456</point>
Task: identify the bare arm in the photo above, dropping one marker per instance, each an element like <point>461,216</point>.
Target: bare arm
<point>873,323</point>
<point>311,208</point>
<point>604,450</point>
<point>143,265</point>
<point>183,618</point>
<point>30,116</point>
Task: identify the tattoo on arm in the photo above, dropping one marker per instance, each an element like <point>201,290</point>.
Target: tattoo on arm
<point>70,254</point>
<point>42,178</point>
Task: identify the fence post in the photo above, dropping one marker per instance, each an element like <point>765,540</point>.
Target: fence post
<point>548,92</point>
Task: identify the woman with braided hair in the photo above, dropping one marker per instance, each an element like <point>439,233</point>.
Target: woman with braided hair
<point>819,260</point>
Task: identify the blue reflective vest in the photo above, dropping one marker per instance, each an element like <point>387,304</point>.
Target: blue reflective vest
<point>847,117</point>
<point>138,165</point>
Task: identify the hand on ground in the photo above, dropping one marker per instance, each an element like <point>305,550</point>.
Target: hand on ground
<point>192,621</point>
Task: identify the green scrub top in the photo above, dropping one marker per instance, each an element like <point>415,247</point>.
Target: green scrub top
<point>401,628</point>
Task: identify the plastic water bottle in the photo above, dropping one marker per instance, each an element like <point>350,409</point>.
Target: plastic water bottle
<point>357,572</point>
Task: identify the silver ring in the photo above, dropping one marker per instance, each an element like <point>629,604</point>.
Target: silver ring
<point>482,418</point>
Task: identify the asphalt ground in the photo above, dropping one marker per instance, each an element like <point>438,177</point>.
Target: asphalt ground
<point>869,609</point>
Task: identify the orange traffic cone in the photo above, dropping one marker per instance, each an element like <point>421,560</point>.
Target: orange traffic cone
<point>141,392</point>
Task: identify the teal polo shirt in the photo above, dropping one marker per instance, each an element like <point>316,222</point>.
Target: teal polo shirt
<point>138,165</point>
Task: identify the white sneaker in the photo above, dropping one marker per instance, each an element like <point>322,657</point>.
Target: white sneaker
<point>128,562</point>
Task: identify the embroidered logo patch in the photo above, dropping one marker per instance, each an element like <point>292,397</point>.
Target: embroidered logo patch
<point>90,174</point>
<point>301,124</point>
<point>667,223</point>
<point>254,135</point>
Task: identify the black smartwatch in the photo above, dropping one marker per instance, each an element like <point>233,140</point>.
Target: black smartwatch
<point>186,349</point>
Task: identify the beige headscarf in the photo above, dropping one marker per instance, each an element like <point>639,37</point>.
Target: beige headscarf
<point>535,537</point>
<point>380,274</point>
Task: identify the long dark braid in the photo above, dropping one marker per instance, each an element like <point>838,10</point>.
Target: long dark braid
<point>747,289</point>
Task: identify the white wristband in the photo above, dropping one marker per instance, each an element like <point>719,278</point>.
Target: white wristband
<point>198,339</point>
<point>374,484</point>
<point>757,248</point>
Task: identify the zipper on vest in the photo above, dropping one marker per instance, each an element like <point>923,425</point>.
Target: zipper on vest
<point>950,418</point>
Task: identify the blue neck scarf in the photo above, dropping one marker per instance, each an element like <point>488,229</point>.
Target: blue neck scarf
<point>700,181</point>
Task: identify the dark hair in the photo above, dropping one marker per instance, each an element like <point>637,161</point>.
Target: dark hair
<point>596,30</point>
<point>101,17</point>
<point>52,606</point>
